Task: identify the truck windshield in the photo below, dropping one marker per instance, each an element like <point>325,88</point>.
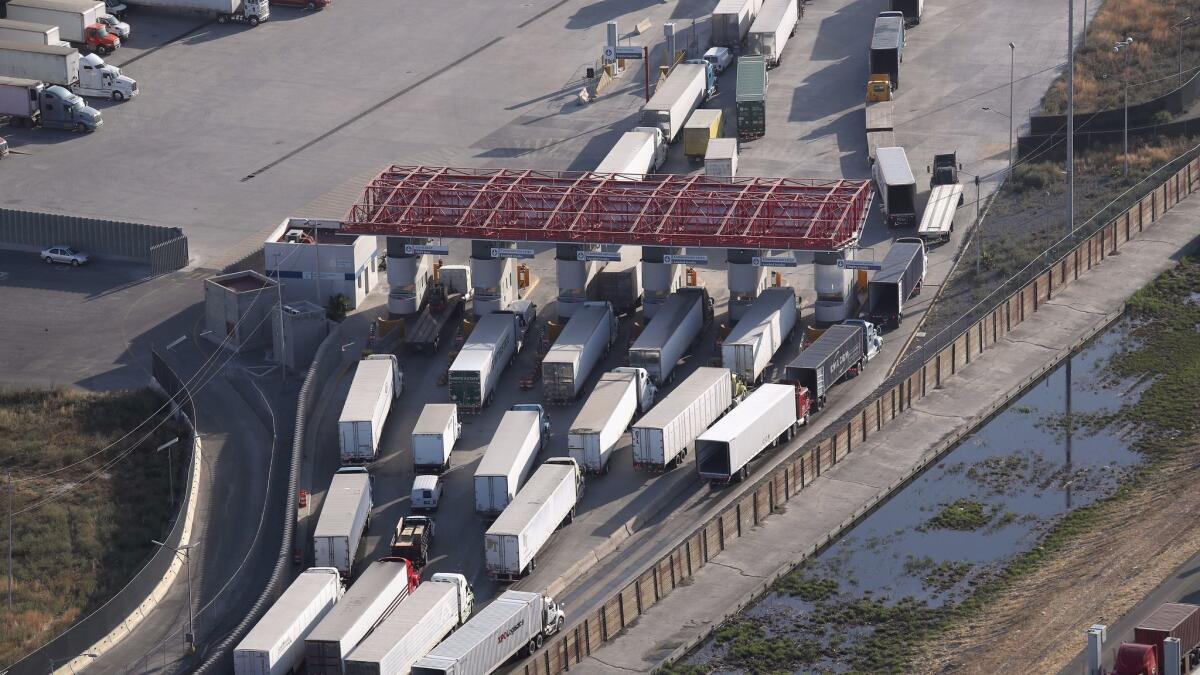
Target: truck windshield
<point>101,31</point>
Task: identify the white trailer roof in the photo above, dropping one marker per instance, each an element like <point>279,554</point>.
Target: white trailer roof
<point>477,350</point>
<point>939,212</point>
<point>27,25</point>
<point>721,148</point>
<point>58,5</point>
<point>291,603</point>
<point>602,402</point>
<point>363,594</point>
<point>370,378</point>
<point>681,397</point>
<point>729,6</point>
<point>624,152</point>
<point>381,641</point>
<point>506,444</point>
<point>746,412</point>
<point>341,504</point>
<point>770,16</point>
<point>666,320</point>
<point>677,83</point>
<point>752,322</point>
<point>56,50</point>
<point>893,165</point>
<point>434,418</point>
<point>530,498</point>
<point>483,625</point>
<point>574,337</point>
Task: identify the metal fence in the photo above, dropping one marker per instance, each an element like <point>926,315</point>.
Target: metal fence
<point>923,371</point>
<point>93,628</point>
<point>1175,102</point>
<point>165,249</point>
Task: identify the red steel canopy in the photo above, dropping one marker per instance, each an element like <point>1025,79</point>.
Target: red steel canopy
<point>584,207</point>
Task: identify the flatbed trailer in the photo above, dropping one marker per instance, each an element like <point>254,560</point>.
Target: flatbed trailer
<point>426,334</point>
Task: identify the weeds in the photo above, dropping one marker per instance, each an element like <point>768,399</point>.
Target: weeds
<point>961,514</point>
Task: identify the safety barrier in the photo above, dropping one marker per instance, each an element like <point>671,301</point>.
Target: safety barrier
<point>937,360</point>
<point>165,249</point>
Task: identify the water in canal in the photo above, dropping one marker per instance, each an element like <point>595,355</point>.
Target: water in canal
<point>986,501</point>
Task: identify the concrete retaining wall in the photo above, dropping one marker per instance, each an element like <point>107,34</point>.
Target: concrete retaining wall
<point>165,249</point>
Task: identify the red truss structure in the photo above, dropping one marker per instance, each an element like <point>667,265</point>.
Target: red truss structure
<point>585,207</point>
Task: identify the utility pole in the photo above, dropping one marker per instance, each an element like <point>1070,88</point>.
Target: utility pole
<point>190,638</point>
<point>10,543</point>
<point>1070,116</point>
<point>1124,45</point>
<point>979,230</point>
<point>1179,26</point>
<point>1012,71</point>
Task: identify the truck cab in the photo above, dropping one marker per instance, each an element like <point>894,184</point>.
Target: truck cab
<point>579,481</point>
<point>879,88</point>
<point>646,390</point>
<point>872,340</point>
<point>1135,659</point>
<point>553,617</point>
<point>97,38</point>
<point>944,171</point>
<point>545,419</point>
<point>660,145</point>
<point>60,109</point>
<point>96,78</point>
<point>710,77</point>
<point>466,596</point>
<point>412,539</point>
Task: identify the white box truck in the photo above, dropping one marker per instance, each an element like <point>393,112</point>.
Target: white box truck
<point>377,382</point>
<point>776,23</point>
<point>344,518</point>
<point>29,33</point>
<point>606,414</point>
<point>475,373</point>
<point>514,621</point>
<point>762,330</point>
<point>549,499</point>
<point>731,20</point>
<point>380,589</point>
<point>636,154</point>
<point>85,75</point>
<point>582,344</point>
<point>507,461</point>
<point>672,331</point>
<point>252,12</point>
<point>424,619</point>
<point>78,21</point>
<point>721,159</point>
<point>275,646</point>
<point>661,439</point>
<point>434,436</point>
<point>684,90</point>
<point>767,416</point>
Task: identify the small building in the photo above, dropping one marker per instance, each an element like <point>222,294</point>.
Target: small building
<point>297,331</point>
<point>314,261</point>
<point>237,308</point>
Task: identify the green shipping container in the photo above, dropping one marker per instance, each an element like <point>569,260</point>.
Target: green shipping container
<point>751,97</point>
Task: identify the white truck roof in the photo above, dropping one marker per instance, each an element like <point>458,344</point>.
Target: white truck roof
<point>476,352</point>
<point>370,378</point>
<point>434,417</point>
<point>530,498</point>
<point>602,402</point>
<point>507,443</point>
<point>296,598</point>
<point>752,323</point>
<point>341,504</point>
<point>939,212</point>
<point>746,413</point>
<point>682,397</point>
<point>893,166</point>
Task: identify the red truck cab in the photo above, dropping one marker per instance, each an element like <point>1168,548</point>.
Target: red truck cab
<point>1134,659</point>
<point>97,39</point>
<point>414,575</point>
<point>804,402</point>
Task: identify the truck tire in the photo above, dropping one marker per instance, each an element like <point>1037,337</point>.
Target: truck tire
<point>222,18</point>
<point>253,21</point>
<point>78,127</point>
<point>558,625</point>
<point>118,96</point>
<point>102,50</point>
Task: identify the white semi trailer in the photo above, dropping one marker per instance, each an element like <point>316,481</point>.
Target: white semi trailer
<point>607,413</point>
<point>766,417</point>
<point>636,154</point>
<point>753,342</point>
<point>511,544</point>
<point>662,438</point>
<point>581,345</point>
<point>514,621</point>
<point>377,382</point>
<point>345,515</point>
<point>507,461</point>
<point>275,645</point>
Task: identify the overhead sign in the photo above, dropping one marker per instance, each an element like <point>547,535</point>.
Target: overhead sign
<point>773,262</point>
<point>685,260</point>
<point>608,256</point>
<point>512,253</point>
<point>626,52</point>
<point>416,249</point>
<point>859,265</point>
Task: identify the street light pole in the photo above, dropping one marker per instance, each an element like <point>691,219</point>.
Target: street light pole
<point>1124,45</point>
<point>1012,70</point>
<point>1179,26</point>
<point>1070,115</point>
<point>187,559</point>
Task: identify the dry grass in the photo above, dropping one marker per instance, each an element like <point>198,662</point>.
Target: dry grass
<point>1154,54</point>
<point>73,553</point>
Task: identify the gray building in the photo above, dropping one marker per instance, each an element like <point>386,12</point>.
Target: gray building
<point>314,261</point>
<point>237,308</point>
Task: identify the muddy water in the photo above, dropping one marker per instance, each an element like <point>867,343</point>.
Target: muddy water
<point>1017,475</point>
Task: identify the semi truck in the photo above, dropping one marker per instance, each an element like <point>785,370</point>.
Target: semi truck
<point>637,153</point>
<point>476,370</point>
<point>607,413</point>
<point>671,332</point>
<point>731,21</point>
<point>721,159</point>
<point>910,9</point>
<point>507,461</point>
<point>620,285</point>
<point>344,519</point>
<point>372,597</point>
<point>425,618</point>
<point>85,75</point>
<point>662,438</point>
<point>887,46</point>
<point>252,12</point>
<point>688,85</point>
<point>29,33</point>
<point>515,621</point>
<point>1147,654</point>
<point>426,334</point>
<point>549,499</point>
<point>704,125</point>
<point>775,24</point>
<point>823,363</point>
<point>937,221</point>
<point>378,382</point>
<point>582,344</point>
<point>762,330</point>
<point>766,417</point>
<point>897,188</point>
<point>412,539</point>
<point>275,646</point>
<point>78,21</point>
<point>751,97</point>
<point>434,436</point>
<point>903,270</point>
<point>31,103</point>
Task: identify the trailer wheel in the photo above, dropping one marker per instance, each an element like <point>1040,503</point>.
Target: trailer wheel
<point>102,50</point>
<point>253,21</point>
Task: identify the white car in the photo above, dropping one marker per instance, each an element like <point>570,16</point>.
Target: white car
<point>115,26</point>
<point>720,58</point>
<point>426,492</point>
<point>65,255</point>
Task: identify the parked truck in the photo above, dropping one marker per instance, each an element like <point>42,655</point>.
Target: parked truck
<point>721,159</point>
<point>31,103</point>
<point>775,24</point>
<point>827,360</point>
<point>607,413</point>
<point>689,85</point>
<point>751,97</point>
<point>85,75</point>
<point>937,221</point>
<point>425,618</point>
<point>426,333</point>
<point>663,437</point>
<point>731,21</point>
<point>412,539</point>
<point>899,279</point>
<point>762,330</point>
<point>275,646</point>
<point>372,597</point>
<point>636,153</point>
<point>897,188</point>
<point>513,622</point>
<point>704,125</point>
<point>476,370</point>
<point>434,436</point>
<point>910,9</point>
<point>582,344</point>
<point>887,46</point>
<point>1147,654</point>
<point>620,285</point>
<point>507,461</point>
<point>78,21</point>
<point>766,417</point>
<point>344,519</point>
<point>29,33</point>
<point>674,328</point>
<point>378,382</point>
<point>252,12</point>
<point>549,499</point>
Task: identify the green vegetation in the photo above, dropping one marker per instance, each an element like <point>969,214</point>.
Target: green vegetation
<point>961,514</point>
<point>937,576</point>
<point>93,531</point>
<point>798,583</point>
